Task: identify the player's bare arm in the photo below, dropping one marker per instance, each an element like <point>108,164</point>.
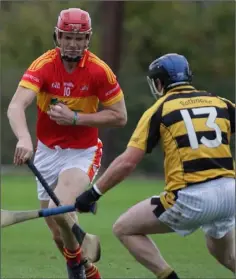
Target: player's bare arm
<point>119,169</point>
<point>114,115</point>
<point>22,98</point>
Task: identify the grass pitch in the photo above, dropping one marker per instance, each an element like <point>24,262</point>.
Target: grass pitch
<point>29,252</point>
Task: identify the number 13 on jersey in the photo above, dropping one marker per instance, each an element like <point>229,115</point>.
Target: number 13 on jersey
<point>210,123</point>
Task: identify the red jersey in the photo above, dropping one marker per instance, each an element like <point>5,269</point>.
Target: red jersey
<point>82,90</point>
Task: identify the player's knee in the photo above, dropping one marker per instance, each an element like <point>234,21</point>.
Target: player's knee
<point>118,228</point>
<point>62,219</point>
<point>226,258</point>
<point>230,262</point>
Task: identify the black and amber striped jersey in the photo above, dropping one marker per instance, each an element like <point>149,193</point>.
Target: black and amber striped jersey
<point>194,128</point>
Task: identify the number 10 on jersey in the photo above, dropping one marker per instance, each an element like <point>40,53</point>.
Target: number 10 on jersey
<point>67,91</point>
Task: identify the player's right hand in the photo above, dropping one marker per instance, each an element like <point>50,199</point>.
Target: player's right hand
<point>86,200</point>
<point>23,151</point>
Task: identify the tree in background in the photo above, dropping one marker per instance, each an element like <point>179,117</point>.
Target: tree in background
<point>127,43</point>
<point>112,13</point>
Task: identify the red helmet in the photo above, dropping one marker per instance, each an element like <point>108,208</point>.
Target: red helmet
<point>74,20</point>
<point>77,21</point>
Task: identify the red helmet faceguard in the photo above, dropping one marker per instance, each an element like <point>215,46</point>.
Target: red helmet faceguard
<point>73,21</point>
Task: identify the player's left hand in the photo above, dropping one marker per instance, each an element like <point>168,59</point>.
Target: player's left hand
<point>85,201</point>
<point>61,114</point>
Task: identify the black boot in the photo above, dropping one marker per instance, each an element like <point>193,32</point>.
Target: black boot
<point>77,271</point>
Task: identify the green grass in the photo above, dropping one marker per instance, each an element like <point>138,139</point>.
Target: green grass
<point>29,252</point>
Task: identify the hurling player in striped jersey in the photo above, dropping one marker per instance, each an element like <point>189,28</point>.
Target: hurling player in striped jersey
<point>194,127</point>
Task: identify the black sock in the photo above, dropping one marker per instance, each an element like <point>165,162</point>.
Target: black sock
<point>172,275</point>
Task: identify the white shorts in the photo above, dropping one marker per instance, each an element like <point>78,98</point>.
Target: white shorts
<point>209,206</point>
<point>52,162</point>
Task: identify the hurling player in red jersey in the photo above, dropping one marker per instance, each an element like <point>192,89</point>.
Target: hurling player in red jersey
<point>68,82</point>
